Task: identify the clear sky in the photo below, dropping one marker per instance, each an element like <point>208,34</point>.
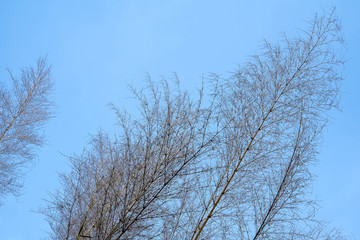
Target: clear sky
<point>97,48</point>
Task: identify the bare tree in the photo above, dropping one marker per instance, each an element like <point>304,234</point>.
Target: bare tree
<point>121,185</point>
<point>235,167</point>
<point>24,108</point>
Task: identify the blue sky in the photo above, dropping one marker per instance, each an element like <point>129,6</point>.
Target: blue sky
<point>97,48</point>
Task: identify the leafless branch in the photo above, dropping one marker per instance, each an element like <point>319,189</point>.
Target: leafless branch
<point>24,108</point>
